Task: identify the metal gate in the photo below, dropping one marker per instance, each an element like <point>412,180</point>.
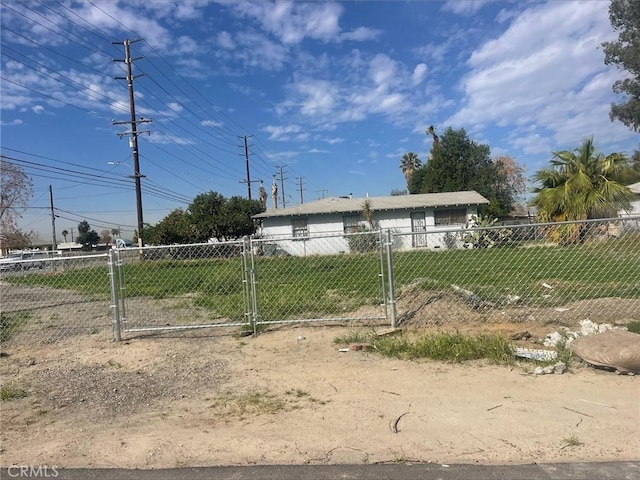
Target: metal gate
<point>252,282</point>
<point>346,278</point>
<point>181,287</point>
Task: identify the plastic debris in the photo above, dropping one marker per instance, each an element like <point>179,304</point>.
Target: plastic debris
<point>536,354</point>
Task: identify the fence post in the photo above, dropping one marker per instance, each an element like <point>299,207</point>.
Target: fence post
<point>392,294</point>
<point>254,291</point>
<point>383,286</point>
<point>114,298</point>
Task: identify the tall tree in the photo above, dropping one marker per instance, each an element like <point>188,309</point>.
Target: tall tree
<point>64,234</point>
<point>458,163</point>
<point>16,189</point>
<point>205,210</point>
<point>631,174</point>
<point>578,186</point>
<point>105,236</point>
<point>175,228</point>
<point>511,182</point>
<point>625,53</point>
<point>87,237</point>
<point>409,163</point>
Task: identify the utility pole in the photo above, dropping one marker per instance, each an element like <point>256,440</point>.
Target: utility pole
<point>248,181</point>
<point>133,133</point>
<point>321,193</point>
<point>282,178</point>
<point>300,189</point>
<point>54,246</point>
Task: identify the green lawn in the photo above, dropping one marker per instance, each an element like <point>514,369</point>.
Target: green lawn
<point>329,285</point>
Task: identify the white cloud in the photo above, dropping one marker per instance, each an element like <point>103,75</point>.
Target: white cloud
<point>175,107</point>
<point>545,70</point>
<point>17,121</point>
<point>185,45</point>
<point>270,56</point>
<point>361,34</point>
<point>292,22</point>
<point>283,132</point>
<point>225,41</point>
<point>464,7</point>
<point>38,109</point>
<point>211,123</point>
<point>419,73</point>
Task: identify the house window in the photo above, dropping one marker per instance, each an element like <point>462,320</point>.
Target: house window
<point>456,216</point>
<point>351,223</point>
<point>299,227</point>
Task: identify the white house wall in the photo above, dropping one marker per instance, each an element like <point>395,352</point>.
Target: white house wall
<point>325,232</point>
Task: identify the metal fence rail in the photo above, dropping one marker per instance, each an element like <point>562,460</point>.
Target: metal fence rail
<point>555,273</point>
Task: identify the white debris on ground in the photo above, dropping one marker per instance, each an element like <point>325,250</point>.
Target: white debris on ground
<point>561,338</point>
<point>559,368</point>
<point>566,336</point>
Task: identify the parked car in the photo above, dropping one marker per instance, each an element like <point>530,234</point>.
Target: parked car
<point>22,261</point>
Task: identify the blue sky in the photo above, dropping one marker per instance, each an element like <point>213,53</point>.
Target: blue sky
<point>333,92</point>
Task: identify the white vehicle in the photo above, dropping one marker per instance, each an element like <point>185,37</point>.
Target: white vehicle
<point>22,261</point>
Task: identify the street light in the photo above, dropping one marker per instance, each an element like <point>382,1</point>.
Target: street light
<point>136,176</point>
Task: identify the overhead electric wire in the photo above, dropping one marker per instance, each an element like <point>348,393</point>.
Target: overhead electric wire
<point>92,179</point>
<point>54,98</point>
<point>81,42</point>
<point>260,165</point>
<point>60,79</point>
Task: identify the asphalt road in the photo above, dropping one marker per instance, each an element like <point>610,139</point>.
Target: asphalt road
<point>399,471</point>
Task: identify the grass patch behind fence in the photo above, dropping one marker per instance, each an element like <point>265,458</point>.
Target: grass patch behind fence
<point>333,284</point>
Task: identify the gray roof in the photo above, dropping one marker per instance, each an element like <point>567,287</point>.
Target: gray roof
<point>397,202</point>
<point>635,188</point>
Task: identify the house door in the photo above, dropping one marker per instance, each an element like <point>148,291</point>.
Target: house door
<point>418,224</point>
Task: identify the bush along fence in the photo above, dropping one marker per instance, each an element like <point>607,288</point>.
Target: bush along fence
<point>560,272</point>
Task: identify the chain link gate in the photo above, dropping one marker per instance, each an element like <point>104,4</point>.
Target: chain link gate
<point>351,285</point>
<point>250,283</point>
<point>180,287</point>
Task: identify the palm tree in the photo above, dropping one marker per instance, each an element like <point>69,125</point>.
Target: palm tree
<point>409,164</point>
<point>432,131</point>
<point>64,234</point>
<point>578,186</point>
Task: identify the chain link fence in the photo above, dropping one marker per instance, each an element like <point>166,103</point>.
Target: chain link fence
<point>555,273</point>
<point>50,299</point>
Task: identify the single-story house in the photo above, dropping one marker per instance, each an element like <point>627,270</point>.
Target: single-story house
<point>634,211</point>
<point>635,203</point>
<point>319,227</point>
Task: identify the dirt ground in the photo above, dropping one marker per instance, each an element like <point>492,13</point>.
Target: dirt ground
<point>289,396</point>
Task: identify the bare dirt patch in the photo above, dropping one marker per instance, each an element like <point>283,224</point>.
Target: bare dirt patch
<point>289,396</point>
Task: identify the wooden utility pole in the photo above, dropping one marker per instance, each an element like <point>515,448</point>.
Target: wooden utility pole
<point>54,245</point>
<point>282,178</point>
<point>248,181</point>
<point>300,189</point>
<point>134,132</point>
